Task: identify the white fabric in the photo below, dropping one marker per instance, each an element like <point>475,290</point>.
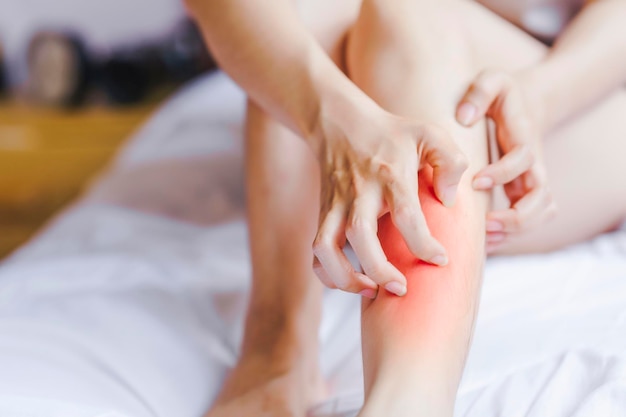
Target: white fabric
<point>112,312</point>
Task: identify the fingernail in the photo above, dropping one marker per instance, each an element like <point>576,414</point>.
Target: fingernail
<point>494,226</point>
<point>466,113</point>
<point>369,293</point>
<point>482,183</point>
<point>440,260</point>
<point>449,196</point>
<point>396,288</point>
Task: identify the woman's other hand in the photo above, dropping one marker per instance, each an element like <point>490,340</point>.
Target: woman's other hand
<point>369,165</point>
<point>505,99</point>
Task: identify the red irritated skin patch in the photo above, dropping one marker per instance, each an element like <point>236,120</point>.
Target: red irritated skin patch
<point>437,313</point>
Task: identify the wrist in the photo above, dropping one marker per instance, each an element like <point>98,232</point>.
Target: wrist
<point>341,104</point>
<point>548,98</point>
<point>412,398</point>
<point>537,92</point>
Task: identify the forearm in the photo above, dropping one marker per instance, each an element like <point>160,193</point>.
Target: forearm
<point>587,62</point>
<point>266,49</point>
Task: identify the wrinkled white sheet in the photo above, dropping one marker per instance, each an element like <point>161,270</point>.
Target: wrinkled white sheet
<point>118,313</point>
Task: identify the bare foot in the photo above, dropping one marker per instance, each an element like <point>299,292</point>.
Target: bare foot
<point>258,387</point>
<point>407,401</point>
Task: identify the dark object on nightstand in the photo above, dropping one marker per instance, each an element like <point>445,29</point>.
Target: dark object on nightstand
<point>129,74</point>
<point>62,72</point>
<point>3,79</point>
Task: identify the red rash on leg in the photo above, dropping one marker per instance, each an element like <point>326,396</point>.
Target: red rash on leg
<point>439,302</point>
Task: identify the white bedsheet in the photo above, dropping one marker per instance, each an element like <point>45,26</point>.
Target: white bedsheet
<point>112,312</point>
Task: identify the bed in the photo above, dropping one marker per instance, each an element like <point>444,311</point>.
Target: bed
<point>121,309</point>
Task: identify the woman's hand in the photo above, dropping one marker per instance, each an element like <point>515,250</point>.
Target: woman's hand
<point>369,166</point>
<point>505,99</point>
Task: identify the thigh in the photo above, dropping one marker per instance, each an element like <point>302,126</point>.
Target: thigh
<point>329,21</point>
<point>587,174</point>
<point>584,158</point>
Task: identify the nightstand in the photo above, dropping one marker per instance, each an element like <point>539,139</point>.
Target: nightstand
<point>47,157</point>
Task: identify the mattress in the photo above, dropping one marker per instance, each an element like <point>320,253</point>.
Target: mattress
<point>120,312</point>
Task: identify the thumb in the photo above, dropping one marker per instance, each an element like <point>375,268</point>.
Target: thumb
<point>480,95</point>
<point>448,162</point>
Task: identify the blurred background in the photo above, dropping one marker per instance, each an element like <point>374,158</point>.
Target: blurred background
<point>76,79</point>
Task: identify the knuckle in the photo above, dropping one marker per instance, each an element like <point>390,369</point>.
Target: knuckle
<point>393,181</point>
<point>322,244</point>
<point>323,277</point>
<point>406,215</point>
<point>349,284</point>
<point>506,173</point>
<point>376,271</point>
<point>385,171</point>
<point>460,162</point>
<point>343,285</point>
<point>356,226</point>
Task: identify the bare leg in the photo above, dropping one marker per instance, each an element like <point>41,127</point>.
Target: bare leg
<point>584,158</point>
<point>587,174</point>
<point>278,372</point>
<point>413,59</point>
<point>415,347</point>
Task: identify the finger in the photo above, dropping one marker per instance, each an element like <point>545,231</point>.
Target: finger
<point>407,216</point>
<point>491,248</point>
<point>509,167</point>
<point>449,163</point>
<point>322,274</point>
<point>328,249</point>
<point>516,190</point>
<point>495,237</point>
<point>494,241</point>
<point>531,209</point>
<point>361,232</point>
<point>480,95</point>
<point>536,177</point>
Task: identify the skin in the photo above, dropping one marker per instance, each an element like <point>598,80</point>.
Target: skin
<point>354,140</point>
<point>530,103</point>
<point>393,318</point>
<point>414,347</point>
<point>286,388</point>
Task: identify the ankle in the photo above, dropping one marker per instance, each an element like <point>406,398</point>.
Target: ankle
<point>409,391</point>
<point>410,400</point>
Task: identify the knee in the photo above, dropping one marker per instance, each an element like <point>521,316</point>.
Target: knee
<point>376,39</point>
<point>405,35</point>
